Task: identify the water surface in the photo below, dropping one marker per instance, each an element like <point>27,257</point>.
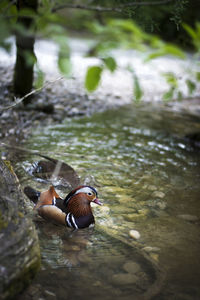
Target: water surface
<point>147,176</point>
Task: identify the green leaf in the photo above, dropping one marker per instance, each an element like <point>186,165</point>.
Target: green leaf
<point>64,65</point>
<point>190,31</point>
<point>30,58</point>
<point>39,82</point>
<point>110,63</point>
<point>198,76</point>
<point>191,86</point>
<point>137,89</point>
<point>194,34</point>
<point>154,55</point>
<point>180,95</point>
<point>93,78</point>
<point>166,49</point>
<point>169,94</point>
<point>174,50</point>
<point>171,79</point>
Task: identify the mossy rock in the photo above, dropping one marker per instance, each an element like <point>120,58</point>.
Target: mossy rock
<point>19,247</point>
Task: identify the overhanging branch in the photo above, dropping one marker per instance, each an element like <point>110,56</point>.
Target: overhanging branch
<point>119,8</point>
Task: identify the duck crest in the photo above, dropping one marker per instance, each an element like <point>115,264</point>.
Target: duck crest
<point>76,191</point>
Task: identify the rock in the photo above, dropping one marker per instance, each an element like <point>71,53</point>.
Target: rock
<point>124,278</point>
<point>190,218</point>
<point>158,194</point>
<point>19,247</point>
<point>131,267</point>
<point>134,234</point>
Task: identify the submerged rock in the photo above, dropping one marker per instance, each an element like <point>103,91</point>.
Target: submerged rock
<point>190,218</point>
<point>131,267</point>
<point>158,194</point>
<point>19,247</point>
<point>124,278</point>
<point>149,249</point>
<point>134,234</point>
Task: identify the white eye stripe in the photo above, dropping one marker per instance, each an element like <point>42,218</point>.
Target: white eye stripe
<point>85,190</point>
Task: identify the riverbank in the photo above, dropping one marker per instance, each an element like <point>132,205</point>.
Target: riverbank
<point>66,98</point>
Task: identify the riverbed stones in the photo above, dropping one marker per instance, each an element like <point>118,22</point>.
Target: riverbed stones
<point>189,218</point>
<point>134,234</point>
<point>161,205</point>
<point>131,267</point>
<point>124,278</point>
<point>150,249</point>
<point>158,194</point>
<point>152,188</point>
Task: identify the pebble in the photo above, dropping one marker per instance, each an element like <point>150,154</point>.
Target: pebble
<point>131,267</point>
<point>158,194</point>
<point>152,188</point>
<point>59,107</point>
<point>134,234</point>
<point>11,131</point>
<point>124,278</point>
<point>190,218</point>
<point>151,249</point>
<point>5,115</point>
<point>49,293</point>
<point>161,205</point>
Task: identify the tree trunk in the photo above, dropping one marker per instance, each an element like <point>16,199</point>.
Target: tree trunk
<point>24,66</point>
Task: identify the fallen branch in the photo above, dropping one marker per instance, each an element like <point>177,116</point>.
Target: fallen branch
<point>19,100</point>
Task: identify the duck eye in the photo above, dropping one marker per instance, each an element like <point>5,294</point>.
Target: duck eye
<point>89,194</point>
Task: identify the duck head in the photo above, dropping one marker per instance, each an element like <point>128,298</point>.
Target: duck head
<point>78,201</point>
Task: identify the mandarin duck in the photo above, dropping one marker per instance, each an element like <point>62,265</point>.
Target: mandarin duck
<point>73,211</point>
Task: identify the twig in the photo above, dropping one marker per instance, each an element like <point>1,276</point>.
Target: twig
<point>119,8</point>
<point>19,100</point>
<point>146,3</point>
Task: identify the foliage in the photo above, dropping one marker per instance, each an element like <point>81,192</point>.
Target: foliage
<point>193,77</point>
<point>126,34</point>
<point>110,33</point>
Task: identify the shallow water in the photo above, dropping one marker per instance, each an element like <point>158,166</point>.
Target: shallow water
<point>147,177</point>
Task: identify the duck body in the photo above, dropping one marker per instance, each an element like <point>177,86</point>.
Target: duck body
<point>73,211</point>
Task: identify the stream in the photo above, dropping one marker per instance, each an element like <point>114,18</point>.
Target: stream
<point>147,176</point>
